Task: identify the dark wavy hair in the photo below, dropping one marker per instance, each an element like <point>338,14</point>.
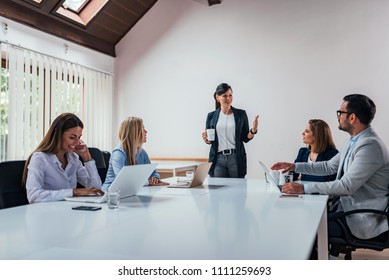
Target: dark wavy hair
<point>362,106</point>
<point>221,89</point>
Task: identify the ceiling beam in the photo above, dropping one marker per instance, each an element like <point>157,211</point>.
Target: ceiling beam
<point>48,24</point>
<point>49,5</point>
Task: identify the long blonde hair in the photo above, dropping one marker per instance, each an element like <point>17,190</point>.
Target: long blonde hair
<point>131,134</point>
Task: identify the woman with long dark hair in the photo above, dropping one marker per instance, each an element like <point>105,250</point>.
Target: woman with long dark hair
<point>227,152</point>
<point>53,170</point>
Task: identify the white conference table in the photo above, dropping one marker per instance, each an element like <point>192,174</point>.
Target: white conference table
<point>230,219</point>
<point>174,167</point>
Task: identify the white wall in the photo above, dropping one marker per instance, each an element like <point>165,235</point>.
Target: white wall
<point>26,37</point>
<point>286,60</point>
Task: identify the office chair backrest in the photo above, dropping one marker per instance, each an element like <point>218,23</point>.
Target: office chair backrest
<point>97,155</point>
<point>12,193</point>
<point>107,156</point>
<point>101,165</point>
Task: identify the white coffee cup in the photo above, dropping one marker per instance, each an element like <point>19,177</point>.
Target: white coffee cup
<point>288,177</point>
<point>189,175</point>
<point>211,134</point>
<point>276,175</point>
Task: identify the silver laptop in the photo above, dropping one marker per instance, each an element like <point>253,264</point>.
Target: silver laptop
<point>269,177</point>
<point>198,177</point>
<point>129,181</point>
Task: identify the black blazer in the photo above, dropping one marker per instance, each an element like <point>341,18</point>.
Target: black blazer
<point>324,156</point>
<point>241,131</point>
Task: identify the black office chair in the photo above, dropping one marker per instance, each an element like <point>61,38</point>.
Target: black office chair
<point>98,156</point>
<point>107,156</point>
<point>350,243</point>
<point>12,193</point>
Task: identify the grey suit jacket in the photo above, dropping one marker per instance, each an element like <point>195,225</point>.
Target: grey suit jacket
<point>364,185</point>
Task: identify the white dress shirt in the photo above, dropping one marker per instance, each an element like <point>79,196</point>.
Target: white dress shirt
<point>48,181</point>
<point>225,129</point>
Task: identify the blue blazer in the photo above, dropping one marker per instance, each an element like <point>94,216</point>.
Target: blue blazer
<point>324,156</point>
<point>241,131</point>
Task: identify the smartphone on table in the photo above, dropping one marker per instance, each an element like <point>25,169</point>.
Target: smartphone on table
<point>87,208</point>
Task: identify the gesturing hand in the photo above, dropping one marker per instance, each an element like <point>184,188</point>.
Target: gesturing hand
<point>255,124</point>
<point>285,166</point>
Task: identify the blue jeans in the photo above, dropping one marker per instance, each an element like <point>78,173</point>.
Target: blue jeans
<point>226,166</point>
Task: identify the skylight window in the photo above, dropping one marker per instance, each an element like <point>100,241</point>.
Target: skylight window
<point>75,6</point>
<point>80,11</point>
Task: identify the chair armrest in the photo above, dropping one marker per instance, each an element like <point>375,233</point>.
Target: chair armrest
<point>348,213</point>
<point>349,237</point>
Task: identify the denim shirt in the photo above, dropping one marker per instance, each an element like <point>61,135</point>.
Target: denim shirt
<point>118,159</point>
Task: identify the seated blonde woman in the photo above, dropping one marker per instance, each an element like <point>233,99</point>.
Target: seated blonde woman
<point>132,135</point>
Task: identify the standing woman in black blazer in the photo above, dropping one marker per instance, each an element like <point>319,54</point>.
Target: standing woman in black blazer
<point>227,153</point>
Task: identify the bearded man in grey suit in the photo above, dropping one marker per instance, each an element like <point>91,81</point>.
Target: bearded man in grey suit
<point>362,168</point>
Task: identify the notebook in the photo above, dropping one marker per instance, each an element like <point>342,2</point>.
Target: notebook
<point>129,181</point>
<point>198,177</point>
<point>269,177</point>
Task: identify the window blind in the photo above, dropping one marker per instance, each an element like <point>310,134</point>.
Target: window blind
<point>36,88</point>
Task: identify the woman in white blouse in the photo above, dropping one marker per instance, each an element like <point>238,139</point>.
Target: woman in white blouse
<point>52,171</point>
<point>227,152</point>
